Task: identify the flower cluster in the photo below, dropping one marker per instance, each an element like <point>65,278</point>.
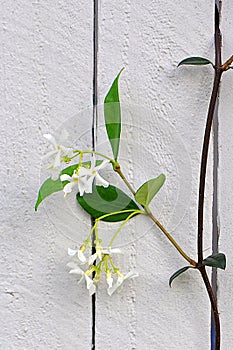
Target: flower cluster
<point>99,262</point>
<point>82,178</point>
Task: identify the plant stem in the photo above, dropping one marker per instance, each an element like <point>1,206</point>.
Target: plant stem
<point>217,78</point>
<point>214,305</point>
<point>118,170</point>
<point>94,152</point>
<point>204,157</point>
<point>161,227</point>
<point>171,239</point>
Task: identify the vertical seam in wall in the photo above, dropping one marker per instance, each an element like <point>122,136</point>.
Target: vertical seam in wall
<point>215,222</point>
<point>215,217</point>
<point>94,138</point>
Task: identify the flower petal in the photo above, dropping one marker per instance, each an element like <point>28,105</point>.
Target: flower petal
<point>100,181</point>
<point>51,139</point>
<point>75,268</point>
<point>81,256</point>
<point>88,184</point>
<point>92,258</point>
<point>90,285</point>
<point>81,186</point>
<point>65,177</point>
<point>110,251</point>
<point>120,280</point>
<point>67,151</point>
<point>82,171</point>
<point>110,281</point>
<point>72,252</point>
<point>102,165</point>
<point>68,187</point>
<point>112,289</point>
<point>92,289</point>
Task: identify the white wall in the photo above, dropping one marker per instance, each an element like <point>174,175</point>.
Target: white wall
<point>46,81</point>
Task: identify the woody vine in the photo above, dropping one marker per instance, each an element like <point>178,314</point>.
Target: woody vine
<point>107,203</point>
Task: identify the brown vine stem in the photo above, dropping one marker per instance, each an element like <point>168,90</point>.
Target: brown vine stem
<point>217,78</point>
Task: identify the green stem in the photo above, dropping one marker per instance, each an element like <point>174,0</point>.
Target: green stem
<point>133,211</point>
<point>122,225</point>
<point>119,212</point>
<point>94,152</point>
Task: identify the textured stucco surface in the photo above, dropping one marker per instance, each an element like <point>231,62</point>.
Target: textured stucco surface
<point>46,81</point>
<point>150,40</point>
<point>46,77</point>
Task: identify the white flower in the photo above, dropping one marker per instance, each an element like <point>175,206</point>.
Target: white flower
<point>58,153</point>
<point>120,280</point>
<point>79,252</point>
<point>75,182</point>
<point>75,269</point>
<point>100,252</point>
<point>91,174</point>
<point>83,178</point>
<point>109,278</point>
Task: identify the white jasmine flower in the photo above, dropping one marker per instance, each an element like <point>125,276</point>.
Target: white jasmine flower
<point>92,173</point>
<point>83,178</point>
<point>100,252</point>
<point>75,269</point>
<point>58,153</point>
<point>79,252</point>
<point>120,280</point>
<point>75,182</point>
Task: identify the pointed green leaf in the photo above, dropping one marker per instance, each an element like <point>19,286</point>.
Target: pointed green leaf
<point>112,114</point>
<point>216,260</point>
<point>196,61</point>
<point>148,190</point>
<point>177,273</point>
<point>47,188</point>
<point>51,186</point>
<point>105,200</point>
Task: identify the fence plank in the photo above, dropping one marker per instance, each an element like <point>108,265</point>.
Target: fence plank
<point>164,112</point>
<point>46,77</point>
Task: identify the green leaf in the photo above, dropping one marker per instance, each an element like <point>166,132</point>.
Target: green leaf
<point>196,61</point>
<point>50,186</point>
<point>177,273</point>
<point>148,190</point>
<point>47,188</point>
<point>105,200</point>
<point>216,260</point>
<point>112,114</point>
